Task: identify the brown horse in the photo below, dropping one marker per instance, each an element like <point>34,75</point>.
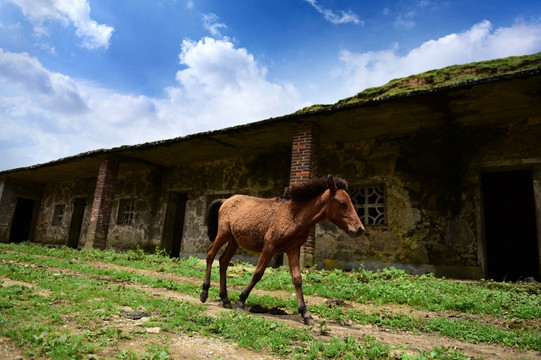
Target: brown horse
<point>273,226</point>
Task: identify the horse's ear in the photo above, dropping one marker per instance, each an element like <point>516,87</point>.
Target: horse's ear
<point>331,184</point>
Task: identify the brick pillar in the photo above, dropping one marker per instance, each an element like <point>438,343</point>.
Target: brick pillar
<point>103,202</point>
<point>305,166</point>
<point>304,154</point>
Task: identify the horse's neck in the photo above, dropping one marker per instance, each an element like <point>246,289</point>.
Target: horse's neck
<point>312,211</point>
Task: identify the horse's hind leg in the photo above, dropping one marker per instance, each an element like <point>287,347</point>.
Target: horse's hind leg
<point>296,277</point>
<point>225,258</point>
<point>211,254</point>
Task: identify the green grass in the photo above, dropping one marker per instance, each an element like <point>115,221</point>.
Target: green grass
<point>85,296</point>
<point>465,330</point>
<point>427,292</point>
<point>389,286</point>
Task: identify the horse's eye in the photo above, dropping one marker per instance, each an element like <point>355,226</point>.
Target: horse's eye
<point>341,203</point>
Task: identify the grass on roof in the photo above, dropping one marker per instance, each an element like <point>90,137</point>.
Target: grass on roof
<point>441,77</point>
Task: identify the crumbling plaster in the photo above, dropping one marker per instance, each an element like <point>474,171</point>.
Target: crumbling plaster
<point>432,184</point>
<point>63,193</point>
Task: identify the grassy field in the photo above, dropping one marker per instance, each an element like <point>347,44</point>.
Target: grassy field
<point>61,303</point>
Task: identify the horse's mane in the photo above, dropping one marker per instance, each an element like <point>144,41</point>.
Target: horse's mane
<point>310,189</point>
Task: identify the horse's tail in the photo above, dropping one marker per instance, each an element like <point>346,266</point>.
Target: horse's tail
<point>211,218</point>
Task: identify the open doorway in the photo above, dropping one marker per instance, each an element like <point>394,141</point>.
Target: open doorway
<point>174,223</point>
<point>510,226</point>
<point>76,223</point>
<point>23,219</point>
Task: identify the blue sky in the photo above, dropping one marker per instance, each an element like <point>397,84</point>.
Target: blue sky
<point>80,75</point>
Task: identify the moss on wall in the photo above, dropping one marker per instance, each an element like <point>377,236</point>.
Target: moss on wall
<point>432,185</point>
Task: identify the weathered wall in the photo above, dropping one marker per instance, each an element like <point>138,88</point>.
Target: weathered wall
<point>145,187</point>
<point>432,188</point>
<point>263,176</point>
<point>62,194</point>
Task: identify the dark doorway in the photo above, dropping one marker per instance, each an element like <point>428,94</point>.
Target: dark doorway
<point>76,223</point>
<point>23,220</point>
<point>510,229</point>
<point>174,223</point>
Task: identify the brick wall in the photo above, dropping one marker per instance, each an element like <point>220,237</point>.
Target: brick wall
<point>305,154</point>
<point>305,166</point>
<point>103,202</point>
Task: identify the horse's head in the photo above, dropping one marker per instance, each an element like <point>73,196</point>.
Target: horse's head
<point>340,210</point>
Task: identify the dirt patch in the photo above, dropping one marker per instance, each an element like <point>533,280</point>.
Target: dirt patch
<point>191,347</point>
<point>181,346</point>
<point>9,350</point>
<point>184,347</point>
<point>5,282</point>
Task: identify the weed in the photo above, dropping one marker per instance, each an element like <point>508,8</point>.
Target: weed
<point>323,328</point>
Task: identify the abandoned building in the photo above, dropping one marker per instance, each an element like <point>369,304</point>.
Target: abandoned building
<point>446,180</point>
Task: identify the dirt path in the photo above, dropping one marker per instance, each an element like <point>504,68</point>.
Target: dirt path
<point>187,347</point>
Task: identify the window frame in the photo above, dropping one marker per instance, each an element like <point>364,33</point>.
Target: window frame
<point>58,215</point>
<point>359,190</point>
<point>126,210</point>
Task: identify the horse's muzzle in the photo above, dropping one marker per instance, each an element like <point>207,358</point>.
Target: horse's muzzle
<point>358,232</point>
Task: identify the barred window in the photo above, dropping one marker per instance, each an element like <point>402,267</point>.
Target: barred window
<point>58,214</point>
<point>369,202</point>
<point>126,212</point>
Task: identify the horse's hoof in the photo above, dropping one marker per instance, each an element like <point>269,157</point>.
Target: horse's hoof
<point>227,305</point>
<point>203,297</point>
<point>308,321</point>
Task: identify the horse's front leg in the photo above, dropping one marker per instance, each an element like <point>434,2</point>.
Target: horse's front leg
<point>225,258</point>
<point>296,277</point>
<point>263,262</point>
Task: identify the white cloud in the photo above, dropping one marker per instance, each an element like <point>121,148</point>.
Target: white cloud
<point>223,86</point>
<point>409,10</point>
<point>76,12</point>
<point>331,16</point>
<point>46,115</point>
<point>211,24</point>
<point>362,70</point>
<point>46,47</point>
<point>51,90</point>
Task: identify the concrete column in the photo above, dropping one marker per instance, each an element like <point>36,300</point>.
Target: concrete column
<point>305,166</point>
<point>103,202</point>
